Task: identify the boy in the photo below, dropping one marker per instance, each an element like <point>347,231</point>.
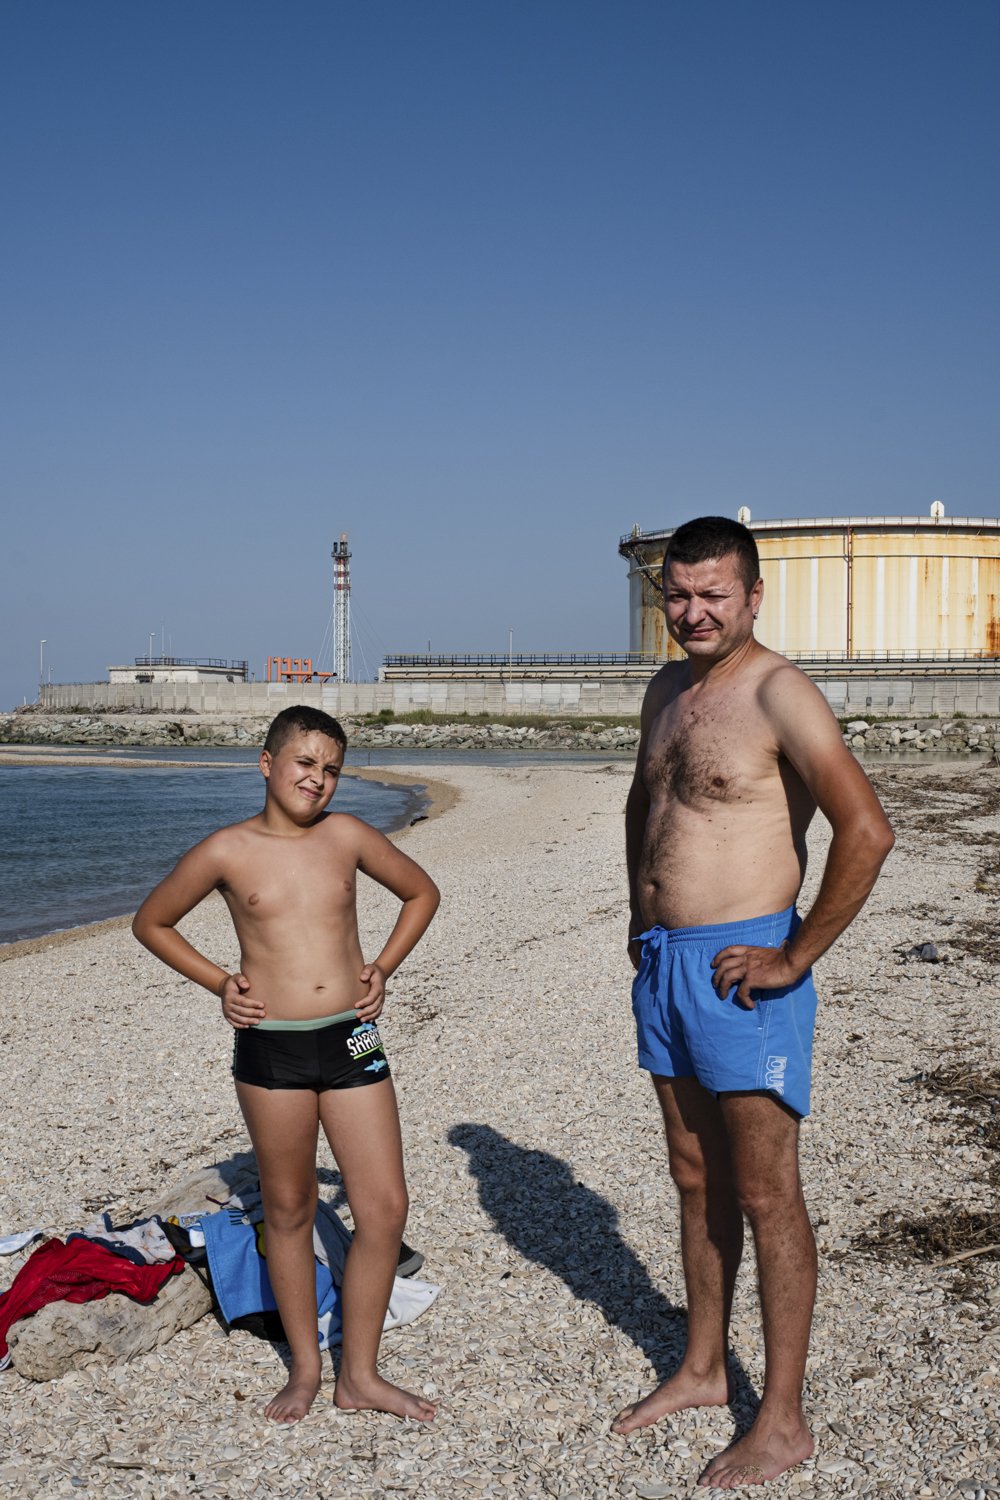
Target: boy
<point>307,1051</point>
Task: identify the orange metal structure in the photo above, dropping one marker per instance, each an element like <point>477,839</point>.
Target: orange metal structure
<point>294,669</point>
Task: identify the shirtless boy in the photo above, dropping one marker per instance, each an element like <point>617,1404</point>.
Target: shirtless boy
<point>737,750</point>
<point>307,1051</point>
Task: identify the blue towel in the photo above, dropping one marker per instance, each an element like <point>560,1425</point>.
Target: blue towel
<point>236,1260</point>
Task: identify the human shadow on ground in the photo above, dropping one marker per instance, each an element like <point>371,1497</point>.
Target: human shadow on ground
<point>551,1219</point>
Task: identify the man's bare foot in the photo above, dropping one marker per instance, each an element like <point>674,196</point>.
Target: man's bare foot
<point>294,1400</point>
<point>676,1394</point>
<point>759,1456</point>
<point>380,1395</point>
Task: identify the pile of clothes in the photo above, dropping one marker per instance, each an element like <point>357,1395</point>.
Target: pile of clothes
<point>226,1248</point>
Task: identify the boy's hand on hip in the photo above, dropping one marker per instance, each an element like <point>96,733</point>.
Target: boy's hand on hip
<point>370,1008</point>
<point>237,1006</point>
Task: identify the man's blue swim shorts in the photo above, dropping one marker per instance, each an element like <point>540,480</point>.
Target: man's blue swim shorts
<point>685,1030</point>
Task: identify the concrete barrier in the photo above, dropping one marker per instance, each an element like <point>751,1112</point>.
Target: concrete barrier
<point>850,693</point>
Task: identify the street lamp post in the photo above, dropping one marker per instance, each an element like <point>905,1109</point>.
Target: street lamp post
<point>41,660</point>
<point>152,637</point>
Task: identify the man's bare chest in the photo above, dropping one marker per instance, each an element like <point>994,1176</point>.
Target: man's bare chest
<point>700,754</point>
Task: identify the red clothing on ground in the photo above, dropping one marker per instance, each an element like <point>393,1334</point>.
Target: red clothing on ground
<point>79,1271</point>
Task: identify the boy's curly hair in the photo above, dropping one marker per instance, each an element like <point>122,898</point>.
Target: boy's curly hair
<point>305,720</point>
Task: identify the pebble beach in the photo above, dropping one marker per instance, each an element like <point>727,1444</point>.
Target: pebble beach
<point>539,1190</point>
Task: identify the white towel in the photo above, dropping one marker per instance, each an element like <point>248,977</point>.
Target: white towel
<point>12,1242</point>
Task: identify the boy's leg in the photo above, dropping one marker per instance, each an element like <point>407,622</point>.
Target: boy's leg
<point>284,1127</point>
<point>362,1126</point>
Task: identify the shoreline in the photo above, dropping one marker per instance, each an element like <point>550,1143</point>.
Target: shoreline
<point>79,755</point>
<point>955,734</point>
<point>436,798</point>
<point>440,797</point>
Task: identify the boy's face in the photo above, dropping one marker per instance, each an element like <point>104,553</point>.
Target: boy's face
<point>302,774</point>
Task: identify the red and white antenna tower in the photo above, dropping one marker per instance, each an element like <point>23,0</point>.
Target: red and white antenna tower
<point>342,609</point>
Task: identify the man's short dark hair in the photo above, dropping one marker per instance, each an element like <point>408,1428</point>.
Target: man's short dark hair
<point>301,719</point>
<point>708,538</point>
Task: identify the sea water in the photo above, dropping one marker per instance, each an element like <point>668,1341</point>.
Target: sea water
<point>83,842</point>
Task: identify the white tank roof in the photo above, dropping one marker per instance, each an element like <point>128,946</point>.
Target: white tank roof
<point>843,523</point>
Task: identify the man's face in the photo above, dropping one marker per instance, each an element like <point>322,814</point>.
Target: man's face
<point>709,612</point>
<point>302,774</point>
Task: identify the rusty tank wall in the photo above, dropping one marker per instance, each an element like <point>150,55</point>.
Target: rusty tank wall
<point>805,593</point>
<point>854,589</point>
<point>935,592</point>
<point>647,626</point>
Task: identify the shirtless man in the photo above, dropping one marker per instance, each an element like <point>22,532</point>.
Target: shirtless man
<point>737,750</point>
<point>307,1051</point>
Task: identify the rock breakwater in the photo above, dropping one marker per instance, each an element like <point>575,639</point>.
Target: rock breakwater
<point>203,730</point>
<point>951,736</point>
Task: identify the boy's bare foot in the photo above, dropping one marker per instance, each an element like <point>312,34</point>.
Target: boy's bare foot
<point>294,1400</point>
<point>676,1394</point>
<point>766,1451</point>
<point>380,1395</point>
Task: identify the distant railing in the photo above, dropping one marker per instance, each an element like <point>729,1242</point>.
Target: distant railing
<point>508,660</point>
<point>525,659</point>
<point>895,658</point>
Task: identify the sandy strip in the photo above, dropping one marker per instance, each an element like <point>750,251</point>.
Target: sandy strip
<point>538,1183</point>
<point>441,795</point>
<point>34,757</point>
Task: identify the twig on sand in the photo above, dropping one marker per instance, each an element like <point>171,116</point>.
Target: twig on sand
<point>966,1255</point>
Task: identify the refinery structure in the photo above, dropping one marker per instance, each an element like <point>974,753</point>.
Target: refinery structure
<point>342,609</point>
<point>889,614</point>
<point>855,590</point>
<point>298,670</point>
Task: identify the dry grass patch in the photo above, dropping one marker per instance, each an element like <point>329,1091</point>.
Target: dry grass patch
<point>952,1235</point>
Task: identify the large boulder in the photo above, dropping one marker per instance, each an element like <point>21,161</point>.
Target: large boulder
<point>64,1336</point>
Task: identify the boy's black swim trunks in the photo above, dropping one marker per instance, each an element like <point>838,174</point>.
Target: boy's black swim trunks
<point>330,1052</point>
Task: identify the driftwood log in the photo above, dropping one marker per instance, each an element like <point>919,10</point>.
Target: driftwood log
<point>64,1336</point>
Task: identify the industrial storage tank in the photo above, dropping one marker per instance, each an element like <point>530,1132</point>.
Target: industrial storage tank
<point>854,588</point>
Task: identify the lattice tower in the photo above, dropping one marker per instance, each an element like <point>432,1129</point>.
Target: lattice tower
<point>342,608</point>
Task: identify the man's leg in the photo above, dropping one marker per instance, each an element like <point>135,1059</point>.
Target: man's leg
<point>362,1126</point>
<point>711,1246</point>
<point>284,1126</point>
<point>764,1138</point>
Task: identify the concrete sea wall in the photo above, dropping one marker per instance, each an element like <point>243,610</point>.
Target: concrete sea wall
<point>856,693</point>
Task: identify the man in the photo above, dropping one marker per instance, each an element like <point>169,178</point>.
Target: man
<point>737,750</point>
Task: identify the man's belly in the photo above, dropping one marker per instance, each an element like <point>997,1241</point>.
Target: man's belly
<point>700,871</point>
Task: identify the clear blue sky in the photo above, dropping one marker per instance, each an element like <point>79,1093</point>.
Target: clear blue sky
<point>481,284</point>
